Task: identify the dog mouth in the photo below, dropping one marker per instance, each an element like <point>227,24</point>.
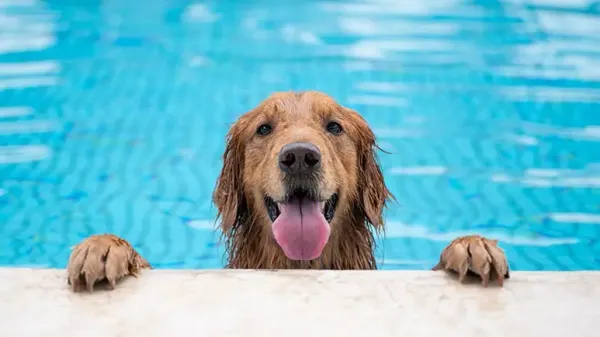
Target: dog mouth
<point>301,223</point>
<point>327,207</point>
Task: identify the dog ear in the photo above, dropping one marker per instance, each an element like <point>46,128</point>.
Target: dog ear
<point>373,192</point>
<point>228,194</point>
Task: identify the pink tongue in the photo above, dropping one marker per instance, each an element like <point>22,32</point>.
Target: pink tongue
<point>301,229</point>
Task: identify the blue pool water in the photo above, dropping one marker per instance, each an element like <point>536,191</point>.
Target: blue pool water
<point>113,115</point>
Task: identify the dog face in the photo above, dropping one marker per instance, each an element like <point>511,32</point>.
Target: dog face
<point>302,166</point>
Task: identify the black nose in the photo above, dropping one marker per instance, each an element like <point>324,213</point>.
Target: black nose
<point>299,158</point>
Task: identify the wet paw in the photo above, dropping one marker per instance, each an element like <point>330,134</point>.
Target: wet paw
<point>102,257</point>
<point>475,254</point>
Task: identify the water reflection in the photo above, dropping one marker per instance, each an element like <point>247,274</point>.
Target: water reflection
<point>17,111</point>
<point>23,154</point>
<point>25,27</point>
<point>588,177</point>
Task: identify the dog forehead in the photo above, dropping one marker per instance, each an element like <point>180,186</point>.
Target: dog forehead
<point>300,106</point>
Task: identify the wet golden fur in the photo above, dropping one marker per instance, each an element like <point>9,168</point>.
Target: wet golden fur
<point>250,170</point>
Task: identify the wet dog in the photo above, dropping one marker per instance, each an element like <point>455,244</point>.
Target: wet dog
<point>300,188</point>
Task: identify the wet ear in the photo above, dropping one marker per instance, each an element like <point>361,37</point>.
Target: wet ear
<point>373,191</point>
<point>228,194</point>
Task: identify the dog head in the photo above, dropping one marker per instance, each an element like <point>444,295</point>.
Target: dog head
<point>303,166</point>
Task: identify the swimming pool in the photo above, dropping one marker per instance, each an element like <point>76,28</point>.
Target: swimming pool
<point>113,116</point>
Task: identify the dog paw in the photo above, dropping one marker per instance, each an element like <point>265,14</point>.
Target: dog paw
<point>475,254</point>
<point>102,257</point>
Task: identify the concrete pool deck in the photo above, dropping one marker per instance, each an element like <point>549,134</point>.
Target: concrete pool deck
<point>37,302</point>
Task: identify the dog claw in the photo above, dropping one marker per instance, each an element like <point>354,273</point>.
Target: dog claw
<point>477,254</point>
<point>102,257</point>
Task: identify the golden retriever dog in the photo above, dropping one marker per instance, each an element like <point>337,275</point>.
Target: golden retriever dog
<point>300,188</point>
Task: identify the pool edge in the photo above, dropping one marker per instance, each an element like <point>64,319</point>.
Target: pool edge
<point>320,303</point>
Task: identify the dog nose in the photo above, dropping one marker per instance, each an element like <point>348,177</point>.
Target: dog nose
<point>299,158</point>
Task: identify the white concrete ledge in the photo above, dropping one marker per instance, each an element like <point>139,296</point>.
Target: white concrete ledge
<point>220,303</point>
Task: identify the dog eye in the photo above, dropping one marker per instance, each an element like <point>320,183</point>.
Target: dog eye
<point>264,129</point>
<point>334,128</point>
